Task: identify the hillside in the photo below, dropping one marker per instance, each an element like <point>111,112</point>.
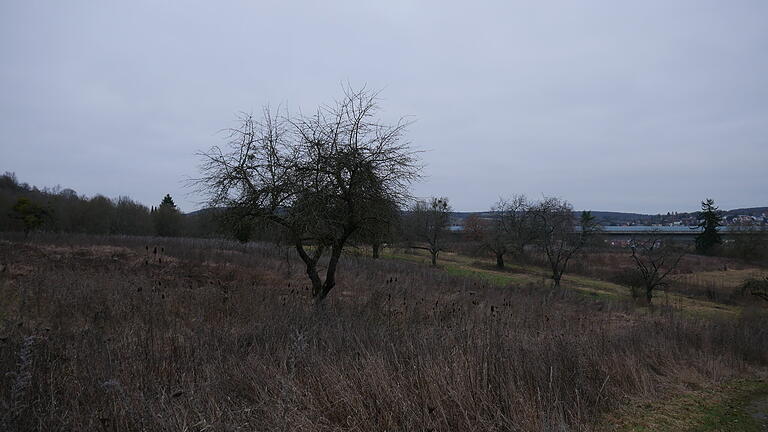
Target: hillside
<point>620,218</point>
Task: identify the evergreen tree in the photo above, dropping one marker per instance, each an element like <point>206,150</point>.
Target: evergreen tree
<point>168,202</point>
<point>167,218</point>
<point>709,219</point>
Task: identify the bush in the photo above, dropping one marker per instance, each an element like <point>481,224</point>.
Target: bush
<point>756,287</point>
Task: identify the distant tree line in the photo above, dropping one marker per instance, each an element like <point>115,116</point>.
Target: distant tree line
<point>27,208</point>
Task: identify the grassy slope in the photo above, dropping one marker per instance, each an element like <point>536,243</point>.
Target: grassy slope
<point>516,274</point>
<point>720,408</point>
<point>728,279</point>
<point>726,407</point>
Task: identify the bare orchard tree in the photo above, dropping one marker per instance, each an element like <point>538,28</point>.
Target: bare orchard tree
<point>654,260</point>
<point>494,237</point>
<point>383,228</point>
<point>558,235</point>
<point>320,177</point>
<point>428,221</point>
<point>474,227</point>
<point>519,222</point>
<point>509,229</point>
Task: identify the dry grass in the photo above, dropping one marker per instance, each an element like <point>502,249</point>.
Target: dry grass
<point>683,294</point>
<point>725,407</point>
<point>220,336</point>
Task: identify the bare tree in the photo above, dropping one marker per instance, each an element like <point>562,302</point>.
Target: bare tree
<point>558,235</point>
<point>383,228</point>
<point>474,227</point>
<point>317,176</point>
<point>654,260</point>
<point>495,237</point>
<point>427,225</point>
<point>511,228</point>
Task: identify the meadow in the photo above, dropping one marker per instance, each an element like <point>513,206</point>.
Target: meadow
<point>138,333</point>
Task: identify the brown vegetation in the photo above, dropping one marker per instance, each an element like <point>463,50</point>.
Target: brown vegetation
<point>132,334</point>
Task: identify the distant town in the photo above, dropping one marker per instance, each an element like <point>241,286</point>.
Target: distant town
<point>734,217</point>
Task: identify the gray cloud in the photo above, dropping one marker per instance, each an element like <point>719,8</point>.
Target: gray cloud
<point>637,106</point>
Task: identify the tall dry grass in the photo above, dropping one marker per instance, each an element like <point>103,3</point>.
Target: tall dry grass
<point>105,334</point>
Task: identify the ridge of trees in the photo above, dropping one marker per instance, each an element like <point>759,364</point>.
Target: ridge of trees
<point>27,208</point>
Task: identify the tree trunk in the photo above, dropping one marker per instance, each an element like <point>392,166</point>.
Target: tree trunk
<point>317,284</point>
<point>330,274</point>
<point>434,258</point>
<point>311,268</point>
<point>556,280</point>
<point>649,295</point>
<point>375,247</point>
<point>500,260</point>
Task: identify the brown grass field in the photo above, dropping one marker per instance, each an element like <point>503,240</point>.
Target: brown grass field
<point>104,334</point>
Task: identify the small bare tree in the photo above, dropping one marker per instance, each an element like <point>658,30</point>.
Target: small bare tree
<point>514,225</point>
<point>474,227</point>
<point>427,225</point>
<point>495,238</point>
<point>558,234</point>
<point>383,228</point>
<point>654,260</point>
<point>318,177</point>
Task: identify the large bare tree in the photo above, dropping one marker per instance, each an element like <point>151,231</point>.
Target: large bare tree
<point>654,260</point>
<point>319,177</point>
<point>559,235</point>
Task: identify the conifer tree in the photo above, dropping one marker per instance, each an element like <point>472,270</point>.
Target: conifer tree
<point>167,218</point>
<point>709,219</point>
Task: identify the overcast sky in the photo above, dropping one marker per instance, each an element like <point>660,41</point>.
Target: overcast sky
<point>645,106</point>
